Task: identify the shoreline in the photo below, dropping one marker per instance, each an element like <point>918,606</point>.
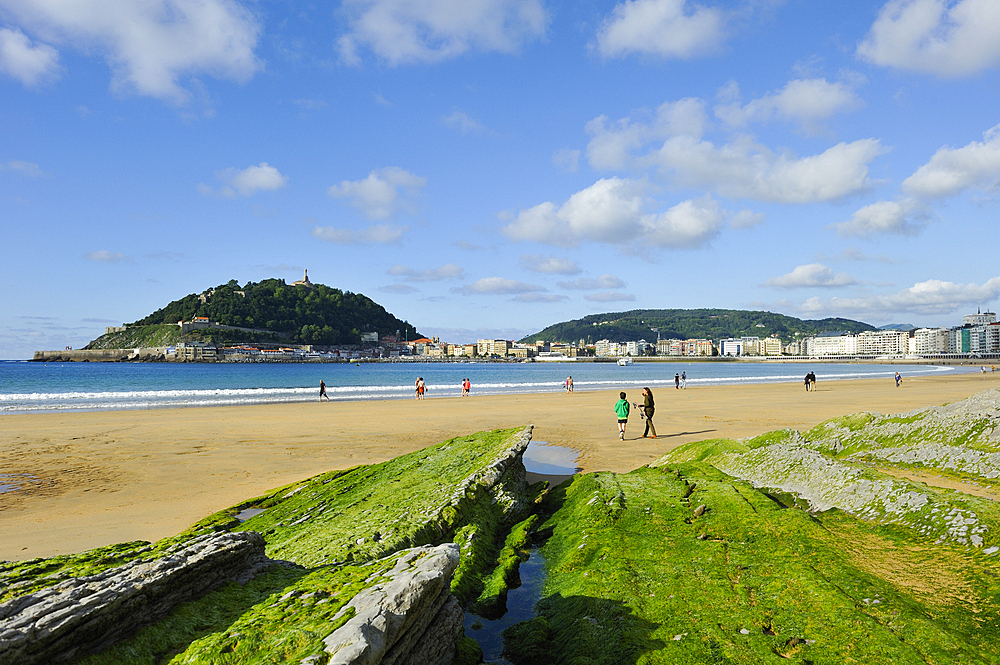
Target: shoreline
<point>112,476</point>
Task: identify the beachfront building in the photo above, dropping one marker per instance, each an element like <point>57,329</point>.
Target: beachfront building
<point>605,348</point>
<point>830,344</point>
<point>493,347</point>
<point>930,341</point>
<point>985,340</point>
<point>684,347</point>
<point>730,347</point>
<point>769,346</point>
<point>979,319</point>
<point>883,343</point>
<point>959,340</point>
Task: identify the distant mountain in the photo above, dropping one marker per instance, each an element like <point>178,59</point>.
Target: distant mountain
<point>689,323</point>
<point>898,326</point>
<point>304,314</point>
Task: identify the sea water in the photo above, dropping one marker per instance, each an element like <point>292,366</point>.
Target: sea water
<point>37,386</point>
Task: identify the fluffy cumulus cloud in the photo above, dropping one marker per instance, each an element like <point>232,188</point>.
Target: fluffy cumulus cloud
<point>29,62</point>
<point>448,271</point>
<point>802,101</point>
<point>149,44</point>
<point>104,256</point>
<point>941,37</point>
<point>667,28</point>
<point>671,140</point>
<point>375,234</point>
<point>548,264</point>
<point>953,170</point>
<point>607,281</point>
<point>383,194</point>
<point>416,31</point>
<point>811,276</point>
<point>498,286</point>
<point>245,182</point>
<point>933,297</point>
<point>617,211</point>
<point>905,217</point>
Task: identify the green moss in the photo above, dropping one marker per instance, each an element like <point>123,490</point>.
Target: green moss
<point>492,600</point>
<point>699,451</point>
<point>772,438</point>
<point>635,576</point>
<point>468,652</point>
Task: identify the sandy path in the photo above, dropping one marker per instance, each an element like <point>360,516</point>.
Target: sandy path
<point>130,475</point>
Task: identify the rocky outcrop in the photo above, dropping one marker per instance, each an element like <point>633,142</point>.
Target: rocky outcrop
<point>86,614</point>
<point>410,618</point>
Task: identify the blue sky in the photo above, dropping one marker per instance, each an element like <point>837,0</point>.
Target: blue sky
<point>486,168</point>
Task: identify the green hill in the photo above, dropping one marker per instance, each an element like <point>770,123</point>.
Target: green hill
<point>690,323</point>
<point>276,311</point>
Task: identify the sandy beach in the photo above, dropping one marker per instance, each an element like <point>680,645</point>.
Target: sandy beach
<point>99,478</point>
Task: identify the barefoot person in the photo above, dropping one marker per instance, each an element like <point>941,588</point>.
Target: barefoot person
<point>622,408</point>
<point>322,391</point>
<point>647,408</point>
<point>569,384</point>
<point>419,387</point>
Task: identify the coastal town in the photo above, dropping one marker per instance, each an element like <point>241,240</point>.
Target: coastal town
<point>978,336</point>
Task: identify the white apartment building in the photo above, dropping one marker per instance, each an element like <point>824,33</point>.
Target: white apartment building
<point>985,339</point>
<point>883,343</point>
<point>930,341</point>
<point>830,345</point>
<point>979,319</point>
<point>490,347</point>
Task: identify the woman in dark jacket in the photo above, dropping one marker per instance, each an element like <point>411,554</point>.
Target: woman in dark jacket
<point>648,408</point>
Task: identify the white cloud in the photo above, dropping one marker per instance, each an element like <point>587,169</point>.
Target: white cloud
<point>609,296</point>
<point>414,31</point>
<point>933,297</point>
<point>539,297</point>
<point>448,271</point>
<point>104,256</point>
<point>567,161</point>
<point>811,276</point>
<point>376,234</point>
<point>952,170</point>
<point>741,168</point>
<point>690,223</point>
<point>668,28</point>
<point>616,211</point>
<point>246,182</point>
<point>31,63</point>
<point>463,122</point>
<point>498,286</point>
<point>942,37</point>
<point>607,281</point>
<point>150,44</point>
<point>379,195</point>
<point>548,264</point>
<point>803,101</point>
<point>26,168</point>
<point>905,218</point>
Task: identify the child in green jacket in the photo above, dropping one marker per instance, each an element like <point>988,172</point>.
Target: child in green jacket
<point>622,408</point>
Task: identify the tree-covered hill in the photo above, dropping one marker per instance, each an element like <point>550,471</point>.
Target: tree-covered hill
<point>319,315</point>
<point>712,324</point>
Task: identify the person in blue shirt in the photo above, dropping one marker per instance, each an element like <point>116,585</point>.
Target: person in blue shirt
<point>622,409</point>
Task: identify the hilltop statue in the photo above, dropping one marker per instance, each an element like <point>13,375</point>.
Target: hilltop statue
<point>304,281</point>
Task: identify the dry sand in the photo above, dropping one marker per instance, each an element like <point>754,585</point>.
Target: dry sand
<point>108,477</point>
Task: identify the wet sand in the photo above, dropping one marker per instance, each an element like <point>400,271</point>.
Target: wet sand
<point>142,475</point>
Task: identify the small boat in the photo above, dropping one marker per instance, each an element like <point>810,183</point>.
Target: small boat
<point>622,362</point>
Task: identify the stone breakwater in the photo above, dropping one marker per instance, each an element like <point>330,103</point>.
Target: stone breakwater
<point>86,614</point>
<point>409,617</point>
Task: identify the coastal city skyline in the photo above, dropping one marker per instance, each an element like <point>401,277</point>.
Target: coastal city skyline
<point>485,169</point>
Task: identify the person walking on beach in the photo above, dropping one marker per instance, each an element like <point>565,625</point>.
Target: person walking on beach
<point>684,380</point>
<point>622,409</point>
<point>466,387</point>
<point>419,385</point>
<point>322,391</point>
<point>677,381</point>
<point>569,384</point>
<point>812,381</point>
<point>899,379</point>
<point>807,382</point>
<point>647,409</point>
